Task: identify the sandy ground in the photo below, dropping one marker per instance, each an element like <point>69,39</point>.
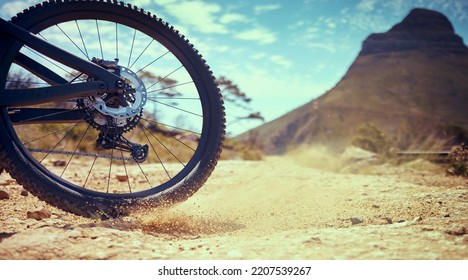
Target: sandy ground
<point>277,208</point>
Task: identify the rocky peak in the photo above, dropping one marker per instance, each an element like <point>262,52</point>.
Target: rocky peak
<point>424,21</point>
<point>422,29</point>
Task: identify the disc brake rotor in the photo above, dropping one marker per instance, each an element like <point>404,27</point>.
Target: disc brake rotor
<point>116,113</point>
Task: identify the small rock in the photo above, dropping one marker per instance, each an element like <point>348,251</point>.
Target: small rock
<point>457,230</point>
<point>24,192</point>
<point>313,240</point>
<point>356,220</point>
<point>11,181</point>
<point>376,206</point>
<point>59,163</point>
<point>417,219</point>
<point>8,182</point>
<point>122,178</point>
<point>388,220</point>
<point>39,214</point>
<point>4,195</point>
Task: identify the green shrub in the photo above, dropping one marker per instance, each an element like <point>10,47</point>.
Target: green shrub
<point>458,157</point>
<point>370,138</point>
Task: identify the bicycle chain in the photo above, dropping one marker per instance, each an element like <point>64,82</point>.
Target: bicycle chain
<point>80,154</point>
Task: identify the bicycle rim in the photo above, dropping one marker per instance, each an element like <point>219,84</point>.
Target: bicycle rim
<point>175,123</point>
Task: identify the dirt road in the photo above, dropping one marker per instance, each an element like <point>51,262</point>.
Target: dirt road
<point>278,208</point>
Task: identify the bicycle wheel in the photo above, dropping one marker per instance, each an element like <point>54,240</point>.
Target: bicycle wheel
<point>154,145</point>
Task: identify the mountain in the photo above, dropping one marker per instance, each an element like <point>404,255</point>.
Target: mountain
<point>410,82</point>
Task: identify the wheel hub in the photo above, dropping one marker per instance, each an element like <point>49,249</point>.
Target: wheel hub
<point>116,113</point>
<point>127,105</point>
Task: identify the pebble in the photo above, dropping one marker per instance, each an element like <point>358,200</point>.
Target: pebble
<point>122,178</point>
<point>4,195</point>
<point>313,240</point>
<point>59,163</point>
<point>457,230</point>
<point>39,214</point>
<point>24,192</point>
<point>388,220</point>
<point>8,182</point>
<point>356,220</point>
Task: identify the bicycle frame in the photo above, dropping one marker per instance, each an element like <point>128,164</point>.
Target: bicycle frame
<point>101,80</point>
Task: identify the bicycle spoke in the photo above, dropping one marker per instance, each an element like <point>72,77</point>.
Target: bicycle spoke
<point>162,144</point>
<point>177,69</point>
<point>53,63</point>
<point>110,169</point>
<point>94,161</point>
<point>89,172</point>
<point>48,134</point>
<point>58,143</point>
<point>144,50</point>
<point>174,107</point>
<point>171,126</point>
<point>41,117</point>
<point>126,173</point>
<point>173,86</point>
<point>99,37</point>
<point>131,49</point>
<point>71,40</point>
<point>175,98</point>
<point>155,152</point>
<point>74,152</point>
<point>116,41</point>
<point>82,40</point>
<point>161,56</point>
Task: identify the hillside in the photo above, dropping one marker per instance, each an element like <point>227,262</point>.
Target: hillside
<point>410,82</point>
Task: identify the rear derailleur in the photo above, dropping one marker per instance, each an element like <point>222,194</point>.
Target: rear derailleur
<point>138,152</point>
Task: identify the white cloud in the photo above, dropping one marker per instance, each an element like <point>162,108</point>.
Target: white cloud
<point>199,15</point>
<point>232,18</point>
<point>258,56</point>
<point>326,46</point>
<point>10,9</point>
<point>261,35</point>
<point>211,18</point>
<point>460,10</point>
<point>141,3</point>
<point>366,5</point>
<point>281,61</point>
<point>298,24</point>
<point>266,8</point>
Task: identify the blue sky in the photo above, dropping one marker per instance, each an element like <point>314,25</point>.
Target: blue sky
<point>282,53</point>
